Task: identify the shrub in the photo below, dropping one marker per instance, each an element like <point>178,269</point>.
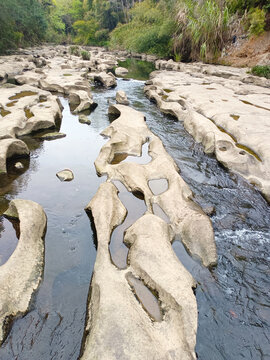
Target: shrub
<point>74,50</point>
<point>256,19</point>
<point>263,71</point>
<point>85,55</point>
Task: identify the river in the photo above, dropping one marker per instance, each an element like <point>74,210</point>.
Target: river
<point>233,299</point>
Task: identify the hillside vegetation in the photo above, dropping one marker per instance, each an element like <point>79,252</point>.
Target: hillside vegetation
<point>182,29</point>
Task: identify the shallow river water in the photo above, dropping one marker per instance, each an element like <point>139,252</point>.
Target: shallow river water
<point>233,299</point>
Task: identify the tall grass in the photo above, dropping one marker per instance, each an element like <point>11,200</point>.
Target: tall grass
<point>204,26</point>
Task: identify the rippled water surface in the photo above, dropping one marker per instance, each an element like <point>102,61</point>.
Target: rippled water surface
<point>233,299</point>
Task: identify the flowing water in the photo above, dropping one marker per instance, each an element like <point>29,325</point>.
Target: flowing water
<point>233,299</point>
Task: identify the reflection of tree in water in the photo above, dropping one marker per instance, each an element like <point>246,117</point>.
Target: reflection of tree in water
<point>17,180</point>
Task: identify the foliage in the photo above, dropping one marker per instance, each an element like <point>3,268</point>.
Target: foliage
<point>137,69</point>
<point>85,55</point>
<point>245,5</point>
<point>256,21</point>
<point>150,29</point>
<point>203,26</point>
<point>263,71</point>
<point>74,50</point>
<point>21,22</point>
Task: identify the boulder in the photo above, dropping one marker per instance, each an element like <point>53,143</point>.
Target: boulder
<point>106,80</point>
<point>80,101</point>
<point>121,71</point>
<point>121,98</point>
<point>11,148</point>
<point>83,119</point>
<point>65,175</point>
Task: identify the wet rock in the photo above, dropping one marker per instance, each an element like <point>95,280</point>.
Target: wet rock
<point>21,275</point>
<point>114,311</point>
<point>121,98</point>
<point>24,112</point>
<point>107,80</point>
<point>51,136</point>
<point>19,166</point>
<point>80,101</point>
<point>121,71</point>
<point>83,119</point>
<point>65,175</point>
<point>11,148</point>
<point>209,210</point>
<point>218,109</point>
<point>127,135</point>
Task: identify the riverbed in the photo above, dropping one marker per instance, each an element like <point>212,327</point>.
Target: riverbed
<point>233,299</point>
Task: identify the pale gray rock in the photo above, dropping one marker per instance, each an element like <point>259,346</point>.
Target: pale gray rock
<point>127,134</point>
<point>19,166</point>
<point>83,119</point>
<point>50,136</point>
<point>107,80</point>
<point>218,109</point>
<point>80,101</point>
<point>11,148</point>
<point>121,98</point>
<point>21,275</point>
<point>114,312</point>
<point>27,109</point>
<point>121,71</point>
<point>65,175</point>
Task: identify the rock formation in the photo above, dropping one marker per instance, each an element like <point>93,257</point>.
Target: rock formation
<point>227,115</point>
<point>20,276</point>
<point>118,324</point>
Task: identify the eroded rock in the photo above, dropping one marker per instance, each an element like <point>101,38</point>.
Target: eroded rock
<point>121,71</point>
<point>219,110</point>
<point>65,175</point>
<point>107,80</point>
<point>27,109</point>
<point>20,276</point>
<point>114,312</point>
<point>121,98</point>
<point>127,135</point>
<point>11,148</point>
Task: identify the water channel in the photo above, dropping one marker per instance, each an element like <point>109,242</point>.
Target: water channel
<point>233,299</point>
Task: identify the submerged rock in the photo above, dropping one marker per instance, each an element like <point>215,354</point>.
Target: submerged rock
<point>121,98</point>
<point>65,175</point>
<point>51,136</point>
<point>83,119</point>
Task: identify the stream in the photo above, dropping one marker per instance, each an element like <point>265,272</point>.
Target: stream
<point>233,299</point>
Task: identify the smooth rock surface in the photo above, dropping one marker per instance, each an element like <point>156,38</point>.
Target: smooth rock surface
<point>121,98</point>
<point>65,175</point>
<point>127,135</point>
<point>83,119</point>
<point>118,327</point>
<point>11,148</point>
<point>20,276</point>
<point>121,71</point>
<point>229,117</point>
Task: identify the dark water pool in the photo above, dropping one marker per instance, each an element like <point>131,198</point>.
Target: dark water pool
<point>233,299</point>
